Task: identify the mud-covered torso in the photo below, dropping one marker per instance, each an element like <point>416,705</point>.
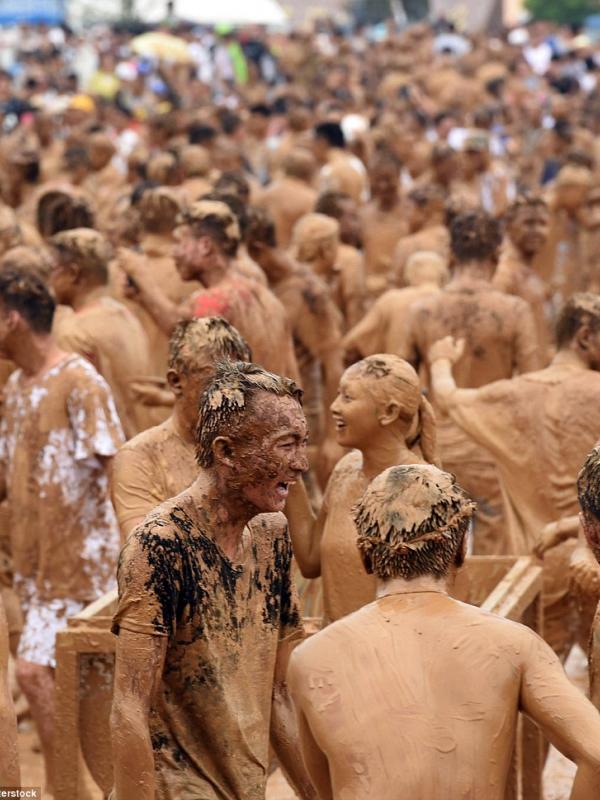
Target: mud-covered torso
<point>210,721</point>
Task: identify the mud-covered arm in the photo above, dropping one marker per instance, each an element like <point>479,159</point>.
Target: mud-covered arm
<point>564,714</point>
<point>145,291</point>
<point>285,738</point>
<point>305,530</point>
<point>9,758</point>
<point>138,669</point>
<point>442,357</point>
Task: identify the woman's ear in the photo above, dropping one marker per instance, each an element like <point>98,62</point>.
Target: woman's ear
<point>389,414</point>
<point>223,452</point>
<point>176,382</point>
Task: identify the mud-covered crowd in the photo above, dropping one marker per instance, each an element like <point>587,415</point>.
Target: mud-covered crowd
<point>290,326</point>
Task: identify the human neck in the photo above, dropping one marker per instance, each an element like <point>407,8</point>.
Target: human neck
<point>473,271</point>
<point>182,427</point>
<point>424,584</point>
<point>567,356</point>
<point>224,513</point>
<point>35,353</point>
<point>380,455</point>
<point>215,273</point>
<point>88,296</point>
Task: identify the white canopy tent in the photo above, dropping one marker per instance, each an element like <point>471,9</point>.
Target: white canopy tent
<point>214,12</point>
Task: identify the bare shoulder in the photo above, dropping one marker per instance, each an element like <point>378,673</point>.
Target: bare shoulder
<point>146,440</point>
<point>503,630</point>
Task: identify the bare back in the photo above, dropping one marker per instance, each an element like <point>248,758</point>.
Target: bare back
<point>423,703</point>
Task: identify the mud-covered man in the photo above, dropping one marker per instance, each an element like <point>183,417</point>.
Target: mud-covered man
<point>207,616</point>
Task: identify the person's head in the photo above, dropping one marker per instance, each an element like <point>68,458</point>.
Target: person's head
<point>164,169</point>
<point>194,161</point>
<point>327,135</point>
<point>444,163</point>
<point>588,490</point>
<point>384,178</point>
<point>33,259</point>
<point>26,309</point>
<point>412,522</point>
<point>315,241</point>
<point>476,152</point>
<point>425,205</point>
<point>528,224</point>
<point>158,209</point>
<point>475,237</point>
<point>195,346</point>
<point>207,233</point>
<point>252,435</point>
<point>425,267</point>
<point>589,214</point>
<point>233,182</point>
<point>258,120</point>
<point>299,163</point>
<point>62,210</point>
<point>578,328</point>
<point>80,260</point>
<point>572,186</point>
<point>100,150</point>
<point>343,208</point>
<point>378,398</point>
<point>76,162</point>
<point>261,237</point>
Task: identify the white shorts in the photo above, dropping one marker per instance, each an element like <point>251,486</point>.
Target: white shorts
<point>42,621</point>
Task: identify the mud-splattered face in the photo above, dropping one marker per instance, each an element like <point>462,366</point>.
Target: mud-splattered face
<point>354,412</point>
<point>189,253</point>
<point>62,280</point>
<point>529,229</point>
<point>591,529</point>
<point>271,452</point>
<point>384,184</point>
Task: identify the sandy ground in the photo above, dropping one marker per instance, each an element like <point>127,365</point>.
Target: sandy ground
<point>558,774</point>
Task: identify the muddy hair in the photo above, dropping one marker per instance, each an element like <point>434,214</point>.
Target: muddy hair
<point>209,334</point>
<point>393,378</point>
<point>60,211</point>
<point>524,200</point>
<point>331,204</point>
<point>411,521</point>
<point>233,182</point>
<point>588,484</point>
<point>235,204</point>
<point>475,236</point>
<point>23,291</point>
<point>260,228</point>
<point>230,397</point>
<point>580,309</point>
<point>212,226</point>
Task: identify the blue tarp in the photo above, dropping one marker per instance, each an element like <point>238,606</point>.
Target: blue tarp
<point>48,12</point>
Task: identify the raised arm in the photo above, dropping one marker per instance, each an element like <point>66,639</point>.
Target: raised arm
<point>564,714</point>
<point>442,357</point>
<point>138,669</point>
<point>144,290</point>
<point>306,530</point>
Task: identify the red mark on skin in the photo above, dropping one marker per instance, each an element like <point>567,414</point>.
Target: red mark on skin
<point>211,304</point>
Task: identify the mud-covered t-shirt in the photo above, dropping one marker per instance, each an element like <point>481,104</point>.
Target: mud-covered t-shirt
<point>210,720</point>
<point>63,529</point>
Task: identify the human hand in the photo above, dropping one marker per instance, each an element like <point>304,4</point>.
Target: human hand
<point>550,536</point>
<point>584,572</point>
<point>150,394</point>
<point>446,349</point>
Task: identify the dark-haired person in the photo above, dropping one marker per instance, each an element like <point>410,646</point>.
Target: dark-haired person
<point>208,238</point>
<point>160,462</point>
<point>500,340</point>
<point>588,490</point>
<point>58,432</point>
<point>96,325</point>
<point>417,695</point>
<point>340,170</point>
<point>207,615</point>
<point>538,428</point>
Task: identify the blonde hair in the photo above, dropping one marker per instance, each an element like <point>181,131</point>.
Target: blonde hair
<point>425,266</point>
